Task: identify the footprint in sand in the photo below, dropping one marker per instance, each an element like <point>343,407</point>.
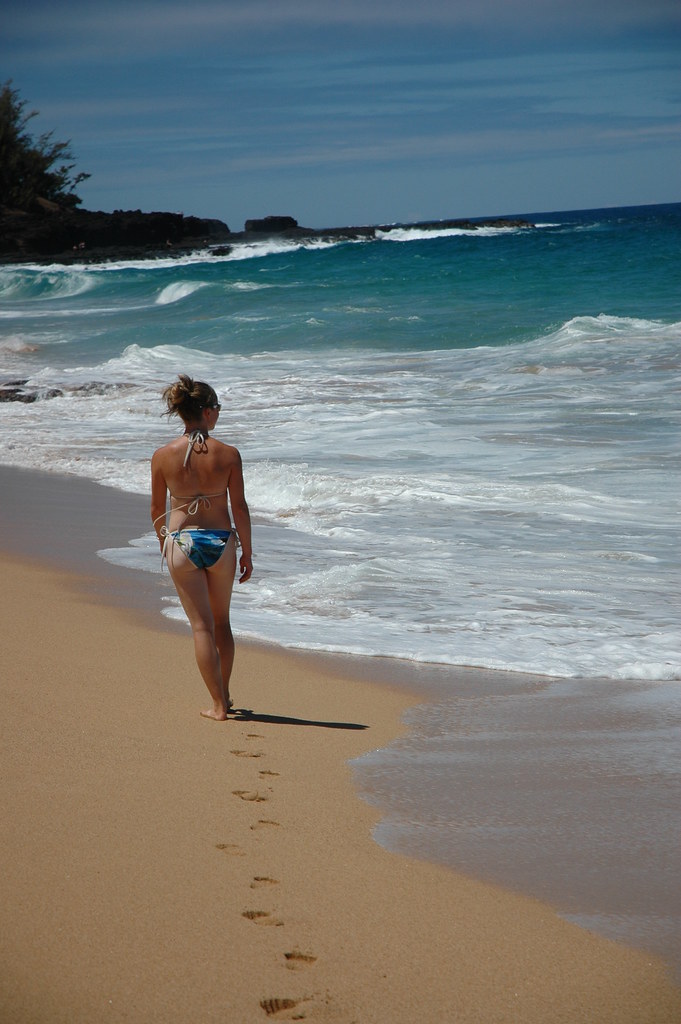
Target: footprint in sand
<point>296,961</point>
<point>264,823</point>
<point>262,917</point>
<point>283,1009</point>
<point>262,881</point>
<point>267,772</point>
<point>231,848</point>
<point>254,736</point>
<point>244,794</point>
<point>246,753</point>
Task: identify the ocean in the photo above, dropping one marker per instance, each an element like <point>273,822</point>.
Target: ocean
<point>460,449</point>
<point>459,446</point>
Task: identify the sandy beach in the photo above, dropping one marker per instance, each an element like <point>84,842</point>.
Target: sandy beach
<point>160,867</point>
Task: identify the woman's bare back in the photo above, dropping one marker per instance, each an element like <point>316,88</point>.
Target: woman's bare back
<point>207,473</point>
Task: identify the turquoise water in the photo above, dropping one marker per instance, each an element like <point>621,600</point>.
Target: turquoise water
<point>455,290</point>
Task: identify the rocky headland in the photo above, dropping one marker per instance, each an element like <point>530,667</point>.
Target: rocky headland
<point>49,233</point>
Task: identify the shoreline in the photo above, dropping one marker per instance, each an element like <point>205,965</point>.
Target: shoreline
<point>593,874</point>
<point>386,937</point>
<point>23,514</point>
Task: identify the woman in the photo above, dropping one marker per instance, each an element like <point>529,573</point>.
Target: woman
<point>199,542</point>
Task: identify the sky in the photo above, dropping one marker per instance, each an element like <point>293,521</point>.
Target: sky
<point>349,112</point>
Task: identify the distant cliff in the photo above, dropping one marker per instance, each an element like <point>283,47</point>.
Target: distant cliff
<point>51,233</point>
<point>65,235</point>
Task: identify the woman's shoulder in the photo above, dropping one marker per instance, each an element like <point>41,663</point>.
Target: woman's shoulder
<point>227,450</point>
<point>167,449</point>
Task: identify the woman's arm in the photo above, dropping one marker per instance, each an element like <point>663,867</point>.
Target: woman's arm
<point>159,491</point>
<point>242,518</point>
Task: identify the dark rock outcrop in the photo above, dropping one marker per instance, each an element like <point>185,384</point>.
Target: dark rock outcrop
<point>91,235</point>
<point>15,391</point>
<point>20,391</point>
<point>270,225</point>
<point>48,232</point>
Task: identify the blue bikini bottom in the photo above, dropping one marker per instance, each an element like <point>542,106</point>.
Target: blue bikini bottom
<point>202,547</point>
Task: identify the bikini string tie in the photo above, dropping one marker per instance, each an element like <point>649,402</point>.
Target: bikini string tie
<point>200,501</point>
<point>196,437</point>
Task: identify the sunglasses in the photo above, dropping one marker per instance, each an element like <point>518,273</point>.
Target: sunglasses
<point>216,406</point>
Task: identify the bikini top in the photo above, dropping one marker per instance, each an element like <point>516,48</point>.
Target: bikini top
<point>192,503</point>
<point>196,501</point>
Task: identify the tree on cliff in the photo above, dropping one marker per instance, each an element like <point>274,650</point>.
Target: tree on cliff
<point>32,169</point>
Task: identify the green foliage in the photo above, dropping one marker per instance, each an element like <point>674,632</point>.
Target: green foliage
<point>32,168</point>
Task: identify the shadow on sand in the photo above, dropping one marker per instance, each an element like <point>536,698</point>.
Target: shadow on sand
<point>247,715</point>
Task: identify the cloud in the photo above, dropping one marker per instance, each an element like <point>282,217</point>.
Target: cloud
<point>95,31</point>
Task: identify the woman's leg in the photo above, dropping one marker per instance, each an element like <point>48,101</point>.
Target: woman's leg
<point>220,583</point>
<point>192,589</point>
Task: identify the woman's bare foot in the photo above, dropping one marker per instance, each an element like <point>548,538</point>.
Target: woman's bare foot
<point>219,715</point>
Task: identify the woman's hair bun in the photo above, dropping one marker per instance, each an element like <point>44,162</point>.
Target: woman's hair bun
<point>186,398</point>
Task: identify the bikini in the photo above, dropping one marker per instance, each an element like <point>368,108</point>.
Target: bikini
<point>202,547</point>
